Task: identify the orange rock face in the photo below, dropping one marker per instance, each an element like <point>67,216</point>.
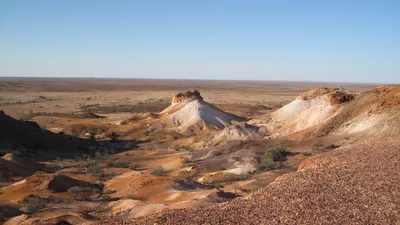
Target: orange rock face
<point>334,95</point>
<point>339,97</point>
<point>180,97</point>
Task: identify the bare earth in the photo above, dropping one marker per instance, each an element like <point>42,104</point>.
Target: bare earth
<point>137,151</point>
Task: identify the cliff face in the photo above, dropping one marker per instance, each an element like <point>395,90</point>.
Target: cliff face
<point>180,97</point>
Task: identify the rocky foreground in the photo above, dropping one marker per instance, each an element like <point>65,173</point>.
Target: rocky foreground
<point>356,184</point>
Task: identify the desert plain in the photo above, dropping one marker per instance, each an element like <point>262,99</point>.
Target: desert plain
<point>142,151</point>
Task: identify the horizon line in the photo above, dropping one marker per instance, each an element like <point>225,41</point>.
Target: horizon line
<point>189,79</point>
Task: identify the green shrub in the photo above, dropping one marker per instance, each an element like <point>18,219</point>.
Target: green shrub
<point>132,167</point>
<point>272,158</point>
<point>114,137</point>
<point>51,168</point>
<point>185,174</point>
<point>110,162</point>
<point>93,168</point>
<point>237,159</point>
<point>34,204</point>
<point>121,164</point>
<point>106,198</point>
<point>228,178</point>
<point>232,177</point>
<point>82,193</point>
<point>159,171</point>
<point>103,176</point>
<point>107,191</point>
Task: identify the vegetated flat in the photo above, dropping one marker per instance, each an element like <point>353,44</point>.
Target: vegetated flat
<point>119,149</point>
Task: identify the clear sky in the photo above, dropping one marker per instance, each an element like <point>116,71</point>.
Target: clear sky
<point>335,40</point>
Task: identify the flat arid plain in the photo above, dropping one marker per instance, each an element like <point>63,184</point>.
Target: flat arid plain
<point>139,151</point>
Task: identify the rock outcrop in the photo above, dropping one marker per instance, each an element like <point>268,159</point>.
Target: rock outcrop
<point>189,111</point>
<point>181,97</point>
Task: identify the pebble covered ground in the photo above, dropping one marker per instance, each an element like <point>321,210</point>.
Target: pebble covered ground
<point>356,184</point>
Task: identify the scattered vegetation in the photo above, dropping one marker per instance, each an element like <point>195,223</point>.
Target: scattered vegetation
<point>237,159</point>
<point>182,148</point>
<point>159,171</point>
<point>106,198</point>
<point>227,178</point>
<point>33,204</point>
<point>232,177</point>
<point>141,107</point>
<point>82,193</point>
<point>273,158</point>
<point>52,168</point>
<point>185,174</point>
<point>39,172</point>
<point>93,168</point>
<point>332,146</point>
<point>27,116</point>
<point>114,137</point>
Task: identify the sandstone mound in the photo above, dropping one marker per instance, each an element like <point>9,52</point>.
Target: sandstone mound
<point>374,112</point>
<point>63,217</point>
<point>13,166</point>
<point>136,183</point>
<point>61,183</point>
<point>188,111</point>
<point>356,184</point>
<point>309,109</point>
<point>40,185</point>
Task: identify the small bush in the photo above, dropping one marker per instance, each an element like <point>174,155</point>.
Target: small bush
<point>114,137</point>
<point>121,164</point>
<point>159,171</point>
<point>34,204</point>
<point>82,193</point>
<point>332,146</point>
<point>182,147</point>
<point>93,168</point>
<point>237,159</point>
<point>107,191</point>
<point>185,174</point>
<point>110,162</point>
<point>104,176</point>
<point>92,136</point>
<point>232,177</point>
<point>51,168</point>
<point>272,158</point>
<point>228,178</point>
<point>132,167</point>
<point>106,198</point>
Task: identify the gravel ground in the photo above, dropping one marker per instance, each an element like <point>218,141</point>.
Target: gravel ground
<point>357,184</point>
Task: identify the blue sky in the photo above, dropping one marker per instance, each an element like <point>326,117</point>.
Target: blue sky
<point>353,41</point>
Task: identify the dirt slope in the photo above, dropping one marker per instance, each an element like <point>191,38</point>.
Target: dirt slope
<point>28,135</point>
<point>13,166</point>
<point>324,111</point>
<point>372,112</point>
<point>307,110</point>
<point>357,184</point>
